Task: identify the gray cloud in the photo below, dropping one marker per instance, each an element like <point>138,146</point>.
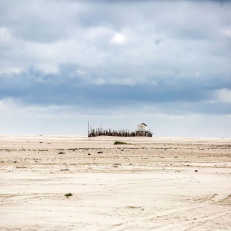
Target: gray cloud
<point>170,57</point>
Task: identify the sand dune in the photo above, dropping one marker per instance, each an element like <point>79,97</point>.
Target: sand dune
<point>149,184</point>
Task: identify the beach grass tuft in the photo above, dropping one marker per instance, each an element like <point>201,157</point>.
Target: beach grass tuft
<point>120,142</point>
<point>68,195</point>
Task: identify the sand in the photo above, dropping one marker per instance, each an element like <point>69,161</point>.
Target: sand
<point>148,184</point>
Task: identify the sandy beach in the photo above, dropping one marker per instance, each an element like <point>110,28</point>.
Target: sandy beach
<point>147,184</point>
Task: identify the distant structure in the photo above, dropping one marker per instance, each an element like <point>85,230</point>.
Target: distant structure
<point>142,130</point>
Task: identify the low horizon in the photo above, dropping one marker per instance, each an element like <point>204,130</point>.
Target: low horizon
<point>113,137</point>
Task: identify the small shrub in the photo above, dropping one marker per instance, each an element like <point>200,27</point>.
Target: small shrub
<point>68,195</point>
<point>119,142</point>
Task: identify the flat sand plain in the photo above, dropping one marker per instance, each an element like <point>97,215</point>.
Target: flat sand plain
<point>148,184</point>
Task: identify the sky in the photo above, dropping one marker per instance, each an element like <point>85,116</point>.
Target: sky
<point>116,64</point>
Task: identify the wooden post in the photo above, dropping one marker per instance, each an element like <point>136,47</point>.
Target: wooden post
<point>88,128</point>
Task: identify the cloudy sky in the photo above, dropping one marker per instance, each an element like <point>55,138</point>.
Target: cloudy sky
<point>115,63</point>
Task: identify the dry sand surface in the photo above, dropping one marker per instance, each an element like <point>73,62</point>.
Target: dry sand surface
<point>148,184</point>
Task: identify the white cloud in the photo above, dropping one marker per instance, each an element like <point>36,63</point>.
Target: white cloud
<point>7,104</point>
<point>227,32</point>
<point>224,95</point>
<point>118,39</point>
<point>5,36</point>
<point>13,106</point>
